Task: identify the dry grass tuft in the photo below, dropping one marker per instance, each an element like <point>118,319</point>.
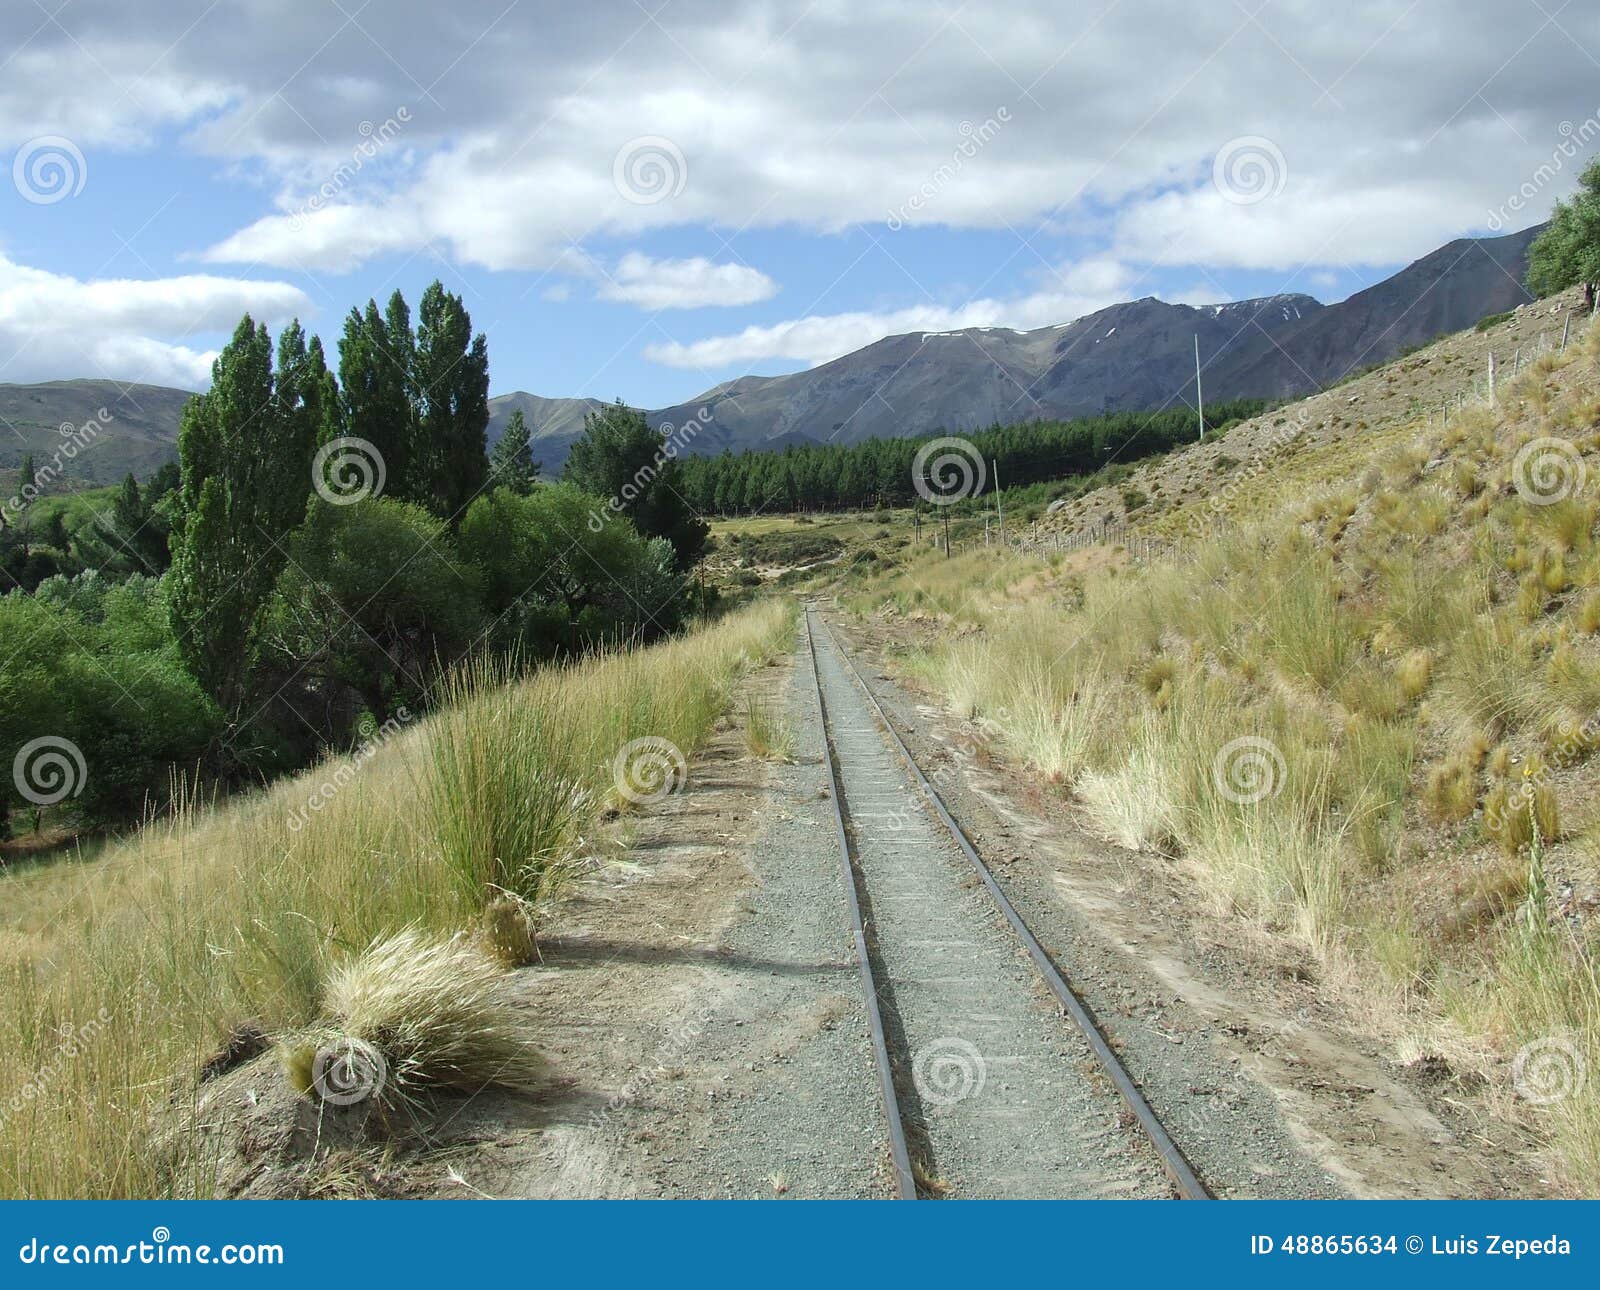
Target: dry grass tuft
<point>439,1012</point>
<point>508,929</point>
<point>768,734</point>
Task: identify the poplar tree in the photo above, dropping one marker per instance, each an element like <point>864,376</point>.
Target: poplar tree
<point>245,451</point>
<point>375,358</point>
<point>451,372</point>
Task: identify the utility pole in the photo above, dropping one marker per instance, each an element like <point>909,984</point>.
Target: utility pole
<point>947,533</point>
<point>1566,326</point>
<point>1491,377</point>
<point>1199,401</point>
<point>999,506</point>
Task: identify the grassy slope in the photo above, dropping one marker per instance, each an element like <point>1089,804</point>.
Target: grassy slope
<point>1346,698</point>
<point>120,977</point>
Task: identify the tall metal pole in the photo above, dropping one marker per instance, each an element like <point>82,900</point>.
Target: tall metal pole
<point>999,506</point>
<point>1199,401</point>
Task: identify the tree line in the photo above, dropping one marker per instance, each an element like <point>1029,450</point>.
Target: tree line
<point>880,472</point>
<point>328,543</point>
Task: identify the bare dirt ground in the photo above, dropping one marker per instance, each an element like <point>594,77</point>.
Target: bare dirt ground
<point>1270,1085</point>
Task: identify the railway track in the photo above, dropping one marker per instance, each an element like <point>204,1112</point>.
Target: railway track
<point>981,1080</point>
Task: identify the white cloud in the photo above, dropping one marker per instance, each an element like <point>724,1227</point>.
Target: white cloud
<point>1396,133</point>
<point>332,238</point>
<point>1070,293</point>
<point>684,284</point>
<point>130,329</point>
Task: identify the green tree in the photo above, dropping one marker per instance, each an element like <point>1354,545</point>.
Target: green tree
<point>556,582</point>
<point>622,460</point>
<point>375,599</point>
<point>451,371</point>
<point>375,360</point>
<point>134,534</point>
<point>245,450</point>
<point>94,665</point>
<point>512,465</point>
<point>55,532</point>
<point>1568,251</point>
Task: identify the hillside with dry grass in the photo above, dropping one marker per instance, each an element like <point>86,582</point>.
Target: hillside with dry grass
<point>1355,694</point>
<point>357,924</point>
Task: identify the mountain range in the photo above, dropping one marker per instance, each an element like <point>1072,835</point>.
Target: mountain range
<point>1135,355</point>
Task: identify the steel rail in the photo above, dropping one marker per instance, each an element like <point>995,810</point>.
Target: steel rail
<point>1185,1181</point>
<point>900,1155</point>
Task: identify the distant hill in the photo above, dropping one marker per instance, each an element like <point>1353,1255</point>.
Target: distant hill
<point>555,424</point>
<point>1135,355</point>
<point>141,435</point>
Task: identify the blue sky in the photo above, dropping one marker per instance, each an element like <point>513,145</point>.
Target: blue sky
<point>642,200</point>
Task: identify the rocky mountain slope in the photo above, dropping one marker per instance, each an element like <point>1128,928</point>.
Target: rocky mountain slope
<point>1139,354</point>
